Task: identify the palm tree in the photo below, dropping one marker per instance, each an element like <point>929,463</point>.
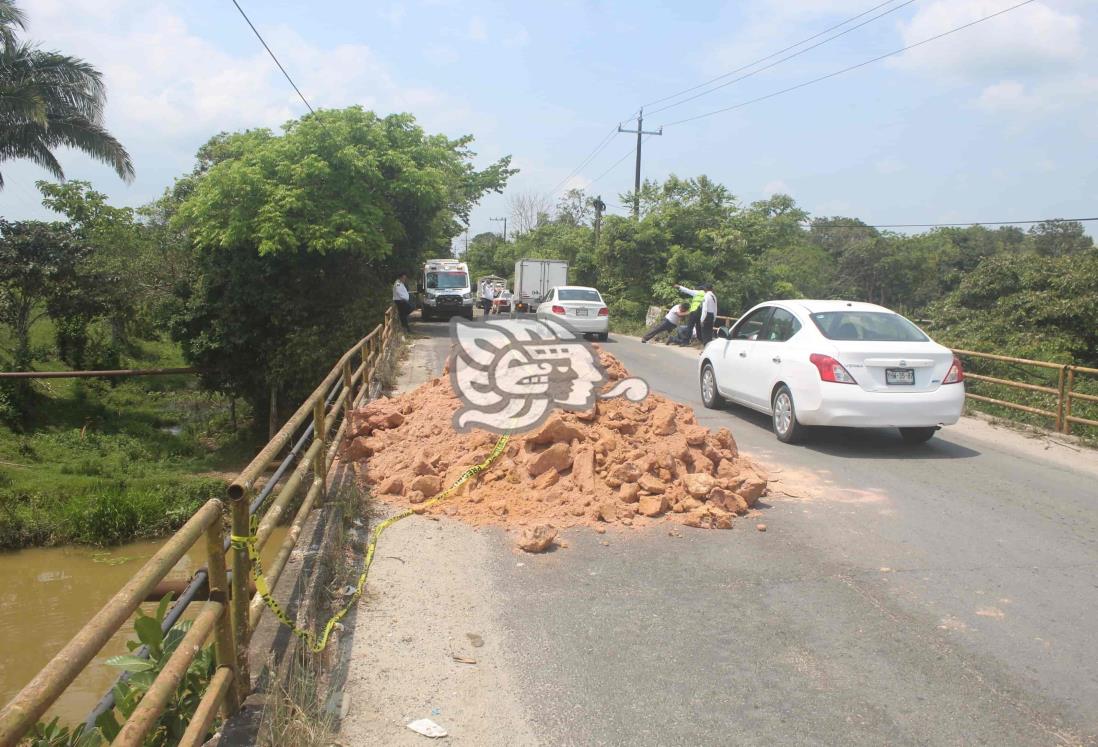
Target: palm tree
<point>49,100</point>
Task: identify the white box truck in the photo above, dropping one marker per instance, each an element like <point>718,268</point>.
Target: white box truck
<point>534,278</point>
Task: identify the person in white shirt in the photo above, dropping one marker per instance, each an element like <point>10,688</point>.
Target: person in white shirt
<point>708,311</point>
<point>487,296</point>
<point>670,322</point>
<point>402,300</point>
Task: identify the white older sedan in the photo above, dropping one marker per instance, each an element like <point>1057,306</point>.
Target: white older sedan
<point>839,363</point>
<point>580,307</point>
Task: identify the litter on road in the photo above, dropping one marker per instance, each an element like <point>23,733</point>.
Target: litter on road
<point>427,728</point>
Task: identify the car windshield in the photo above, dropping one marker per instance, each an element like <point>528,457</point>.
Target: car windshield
<point>876,326</point>
<point>447,280</point>
<point>579,294</point>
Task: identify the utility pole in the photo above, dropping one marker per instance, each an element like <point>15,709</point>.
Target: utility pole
<point>466,239</point>
<point>497,220</point>
<point>599,206</point>
<point>637,180</point>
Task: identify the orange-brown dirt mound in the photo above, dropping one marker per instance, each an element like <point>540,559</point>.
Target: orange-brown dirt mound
<point>621,463</point>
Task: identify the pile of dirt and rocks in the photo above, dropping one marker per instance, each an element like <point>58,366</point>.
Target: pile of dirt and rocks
<point>622,463</point>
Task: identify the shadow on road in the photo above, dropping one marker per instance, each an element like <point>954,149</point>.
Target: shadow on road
<point>861,443</point>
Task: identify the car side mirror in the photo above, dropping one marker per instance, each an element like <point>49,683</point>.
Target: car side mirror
<point>724,333</point>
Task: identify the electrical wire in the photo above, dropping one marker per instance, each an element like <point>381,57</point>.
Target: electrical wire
<point>273,57</point>
<point>745,76</point>
<point>837,73</point>
<point>618,162</point>
<point>603,144</point>
<point>764,59</point>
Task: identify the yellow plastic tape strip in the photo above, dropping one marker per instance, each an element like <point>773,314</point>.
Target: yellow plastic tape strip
<point>264,589</point>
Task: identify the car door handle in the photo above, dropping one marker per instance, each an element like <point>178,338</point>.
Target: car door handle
<point>777,359</point>
<point>743,353</point>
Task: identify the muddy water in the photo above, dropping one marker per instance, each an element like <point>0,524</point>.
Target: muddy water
<point>47,594</point>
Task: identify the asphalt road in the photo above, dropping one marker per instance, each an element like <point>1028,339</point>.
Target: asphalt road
<point>941,594</point>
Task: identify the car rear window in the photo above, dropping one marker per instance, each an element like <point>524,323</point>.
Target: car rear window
<point>578,294</point>
<point>876,326</point>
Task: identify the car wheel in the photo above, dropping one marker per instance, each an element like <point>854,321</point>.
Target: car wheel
<point>602,336</point>
<point>711,398</point>
<point>784,415</point>
<point>917,435</point>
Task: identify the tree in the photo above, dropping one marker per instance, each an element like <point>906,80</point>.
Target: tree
<point>299,236</point>
<point>49,101</point>
<point>40,274</point>
<point>574,208</point>
<point>528,210</point>
<point>1059,239</point>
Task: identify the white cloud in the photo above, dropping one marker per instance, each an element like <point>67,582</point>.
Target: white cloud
<point>477,30</point>
<point>394,14</point>
<point>1006,95</point>
<point>170,88</point>
<point>1032,39</point>
<point>889,165</point>
<point>519,38</point>
<point>775,187</point>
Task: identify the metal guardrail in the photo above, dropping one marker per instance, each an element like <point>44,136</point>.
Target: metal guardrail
<point>1064,392</point>
<point>230,612</point>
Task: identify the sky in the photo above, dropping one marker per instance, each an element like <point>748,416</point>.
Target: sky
<point>995,122</point>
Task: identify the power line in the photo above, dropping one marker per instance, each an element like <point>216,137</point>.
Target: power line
<point>848,69</point>
<point>598,149</point>
<point>272,54</point>
<point>814,226</point>
<point>618,162</point>
<point>603,144</point>
<point>780,61</point>
<point>774,54</point>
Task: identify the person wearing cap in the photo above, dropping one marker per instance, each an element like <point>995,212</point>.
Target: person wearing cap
<point>402,300</point>
<point>703,308</point>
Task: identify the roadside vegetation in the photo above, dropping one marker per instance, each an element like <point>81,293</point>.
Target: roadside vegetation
<point>1026,293</point>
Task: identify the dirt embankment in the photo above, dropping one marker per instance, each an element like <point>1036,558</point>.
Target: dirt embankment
<point>621,463</point>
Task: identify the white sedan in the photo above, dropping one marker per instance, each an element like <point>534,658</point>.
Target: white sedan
<point>579,307</point>
<point>838,363</point>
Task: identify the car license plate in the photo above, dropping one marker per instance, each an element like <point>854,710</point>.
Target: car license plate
<point>900,376</point>
<point>581,312</point>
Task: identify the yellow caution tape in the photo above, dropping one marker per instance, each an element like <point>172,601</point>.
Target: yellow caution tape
<point>264,589</point>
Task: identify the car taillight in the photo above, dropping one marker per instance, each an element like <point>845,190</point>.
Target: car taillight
<point>830,369</point>
<point>604,311</point>
<point>956,372</point>
<point>558,309</point>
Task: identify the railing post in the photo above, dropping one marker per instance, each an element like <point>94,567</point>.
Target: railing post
<point>320,432</point>
<point>1060,421</point>
<point>242,570</point>
<point>348,392</point>
<point>218,580</point>
<point>1070,388</point>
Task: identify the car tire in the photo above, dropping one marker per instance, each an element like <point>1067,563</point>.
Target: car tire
<point>784,417</point>
<point>711,397</point>
<point>917,435</point>
<point>602,336</point>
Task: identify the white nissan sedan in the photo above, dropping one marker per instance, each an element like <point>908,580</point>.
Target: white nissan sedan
<point>579,307</point>
<point>839,363</point>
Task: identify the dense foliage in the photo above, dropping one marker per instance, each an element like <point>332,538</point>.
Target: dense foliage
<point>298,237</point>
<point>1031,292</point>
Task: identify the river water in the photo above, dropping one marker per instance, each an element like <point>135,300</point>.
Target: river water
<point>46,596</point>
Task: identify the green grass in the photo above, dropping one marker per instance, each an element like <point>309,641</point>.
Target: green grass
<point>100,462</point>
